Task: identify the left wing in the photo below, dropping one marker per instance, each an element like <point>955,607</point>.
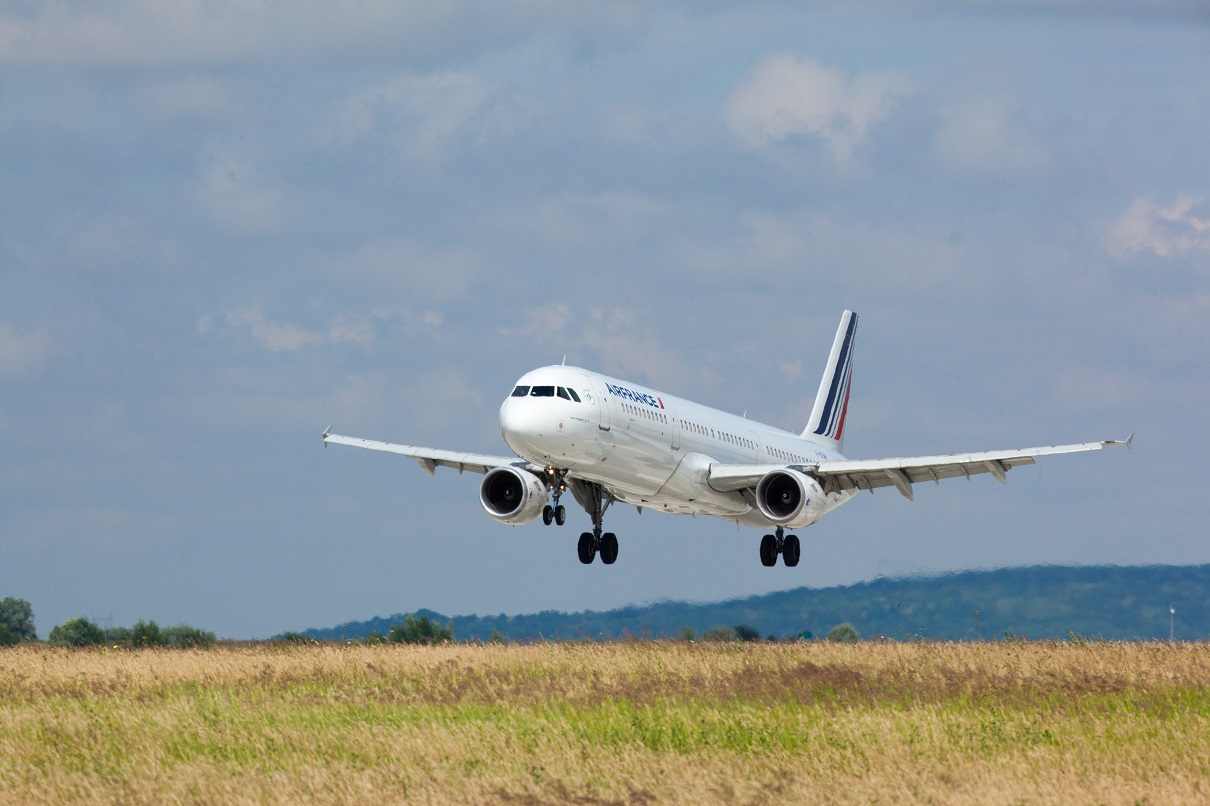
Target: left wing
<point>432,458</point>
<point>900,472</point>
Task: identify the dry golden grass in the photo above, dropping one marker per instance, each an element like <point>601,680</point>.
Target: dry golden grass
<point>609,723</point>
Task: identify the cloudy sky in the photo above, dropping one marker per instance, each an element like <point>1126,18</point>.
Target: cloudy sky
<point>224,226</point>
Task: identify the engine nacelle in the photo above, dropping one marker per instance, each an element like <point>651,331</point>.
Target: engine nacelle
<point>790,499</point>
<point>512,496</point>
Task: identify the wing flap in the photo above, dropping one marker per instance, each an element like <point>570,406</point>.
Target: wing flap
<point>432,458</point>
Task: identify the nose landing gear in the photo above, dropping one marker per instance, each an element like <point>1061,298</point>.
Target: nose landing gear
<point>787,546</point>
<point>558,512</point>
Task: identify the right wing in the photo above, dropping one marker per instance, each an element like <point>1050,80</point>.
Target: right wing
<point>432,458</point>
<point>899,472</point>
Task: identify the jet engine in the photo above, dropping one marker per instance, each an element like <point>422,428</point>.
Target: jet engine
<point>790,499</point>
<point>512,496</point>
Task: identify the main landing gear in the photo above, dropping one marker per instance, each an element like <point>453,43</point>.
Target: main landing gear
<point>594,541</point>
<point>781,543</point>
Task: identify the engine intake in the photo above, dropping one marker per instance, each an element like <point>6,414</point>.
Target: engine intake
<point>789,498</point>
<point>512,496</point>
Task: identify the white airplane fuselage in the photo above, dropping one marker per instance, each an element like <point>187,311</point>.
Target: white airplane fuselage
<point>648,448</point>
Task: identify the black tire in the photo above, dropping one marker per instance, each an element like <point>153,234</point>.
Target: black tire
<point>560,514</point>
<point>768,551</point>
<point>791,549</point>
<point>586,548</point>
<point>609,548</point>
<point>548,514</point>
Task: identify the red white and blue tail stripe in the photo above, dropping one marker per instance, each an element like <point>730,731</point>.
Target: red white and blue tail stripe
<point>832,401</point>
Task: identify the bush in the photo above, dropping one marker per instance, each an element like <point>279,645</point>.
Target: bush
<point>147,633</point>
<point>687,634</point>
<point>77,632</point>
<point>17,617</point>
<point>295,638</point>
<point>745,633</point>
<point>844,633</point>
<point>7,636</point>
<point>719,634</point>
<point>184,636</point>
<point>421,630</point>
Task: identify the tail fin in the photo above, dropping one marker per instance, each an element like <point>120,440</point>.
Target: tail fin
<point>832,400</point>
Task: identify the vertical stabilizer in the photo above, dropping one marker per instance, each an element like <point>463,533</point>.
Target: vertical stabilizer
<point>832,400</point>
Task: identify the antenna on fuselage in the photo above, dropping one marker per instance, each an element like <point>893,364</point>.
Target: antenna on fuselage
<point>564,360</point>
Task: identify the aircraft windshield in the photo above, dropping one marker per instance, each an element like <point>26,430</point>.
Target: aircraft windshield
<point>521,391</point>
<point>542,391</point>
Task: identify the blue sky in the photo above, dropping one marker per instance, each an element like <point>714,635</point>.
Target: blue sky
<point>225,226</point>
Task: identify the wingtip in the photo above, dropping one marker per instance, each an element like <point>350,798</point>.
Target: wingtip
<point>326,434</point>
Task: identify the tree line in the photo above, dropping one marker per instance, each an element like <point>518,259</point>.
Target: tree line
<point>17,626</point>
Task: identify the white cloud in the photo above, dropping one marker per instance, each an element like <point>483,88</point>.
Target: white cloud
<point>1179,228</point>
<point>153,32</point>
<point>424,113</point>
<point>22,355</point>
<point>787,97</point>
<point>984,136</point>
<point>236,196</point>
<point>349,327</point>
<point>277,336</point>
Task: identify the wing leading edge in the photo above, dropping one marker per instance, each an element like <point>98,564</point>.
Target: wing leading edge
<point>432,458</point>
<point>901,472</point>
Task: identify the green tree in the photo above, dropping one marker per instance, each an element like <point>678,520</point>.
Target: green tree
<point>844,633</point>
<point>184,636</point>
<point>7,637</point>
<point>119,636</point>
<point>719,633</point>
<point>687,634</point>
<point>497,637</point>
<point>147,633</point>
<point>421,630</point>
<point>17,617</point>
<point>77,632</point>
<point>745,633</point>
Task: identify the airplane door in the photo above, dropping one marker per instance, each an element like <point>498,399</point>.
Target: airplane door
<point>598,389</point>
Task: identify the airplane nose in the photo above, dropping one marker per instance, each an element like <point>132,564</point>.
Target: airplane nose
<point>518,425</point>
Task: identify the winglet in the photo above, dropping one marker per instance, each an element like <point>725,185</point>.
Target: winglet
<point>327,431</point>
<point>1128,442</point>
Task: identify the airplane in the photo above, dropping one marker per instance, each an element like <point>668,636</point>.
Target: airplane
<point>608,440</point>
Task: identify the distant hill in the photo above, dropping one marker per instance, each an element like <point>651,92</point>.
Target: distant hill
<point>1110,602</point>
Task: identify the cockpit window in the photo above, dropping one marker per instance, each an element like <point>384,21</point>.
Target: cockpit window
<point>542,391</point>
<point>573,394</point>
<point>521,391</point>
<point>563,393</point>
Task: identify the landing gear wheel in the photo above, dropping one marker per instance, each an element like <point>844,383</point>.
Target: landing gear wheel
<point>560,514</point>
<point>548,514</point>
<point>790,551</point>
<point>609,548</point>
<point>587,548</point>
<point>768,551</point>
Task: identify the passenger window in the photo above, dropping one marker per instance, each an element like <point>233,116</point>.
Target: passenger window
<point>521,391</point>
<point>563,393</point>
<point>542,391</point>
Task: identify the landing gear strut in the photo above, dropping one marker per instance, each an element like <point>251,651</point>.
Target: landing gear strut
<point>786,545</point>
<point>594,541</point>
<point>558,512</point>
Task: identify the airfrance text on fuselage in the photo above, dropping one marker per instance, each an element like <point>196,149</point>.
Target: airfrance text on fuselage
<point>637,397</point>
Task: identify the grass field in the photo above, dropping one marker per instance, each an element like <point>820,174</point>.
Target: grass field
<point>637,722</point>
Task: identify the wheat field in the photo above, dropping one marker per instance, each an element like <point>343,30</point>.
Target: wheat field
<point>628,722</point>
